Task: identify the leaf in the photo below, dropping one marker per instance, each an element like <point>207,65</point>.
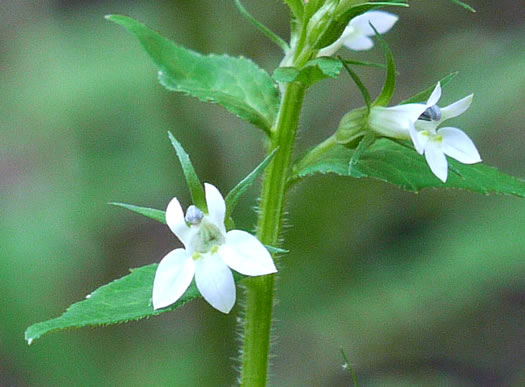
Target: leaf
<point>360,85</point>
<point>296,6</point>
<point>346,11</point>
<point>423,96</point>
<point>261,27</point>
<point>390,82</point>
<point>194,184</point>
<point>125,299</point>
<point>235,194</point>
<point>238,84</point>
<point>314,71</point>
<point>464,5</point>
<point>276,250</point>
<point>158,215</point>
<point>394,163</point>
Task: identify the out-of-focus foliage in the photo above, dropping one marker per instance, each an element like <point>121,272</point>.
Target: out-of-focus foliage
<point>418,289</point>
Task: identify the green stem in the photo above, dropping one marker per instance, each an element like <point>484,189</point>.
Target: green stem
<point>260,290</point>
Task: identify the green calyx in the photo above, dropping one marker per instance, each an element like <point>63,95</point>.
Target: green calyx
<point>353,125</point>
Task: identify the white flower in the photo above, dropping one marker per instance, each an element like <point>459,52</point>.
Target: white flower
<point>208,254</point>
<point>398,121</point>
<point>356,35</point>
<point>436,143</point>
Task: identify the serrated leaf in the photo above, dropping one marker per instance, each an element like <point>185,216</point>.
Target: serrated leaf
<point>125,299</point>
<point>235,194</point>
<point>397,164</point>
<point>390,82</point>
<point>194,184</point>
<point>238,84</point>
<point>314,71</point>
<point>158,215</point>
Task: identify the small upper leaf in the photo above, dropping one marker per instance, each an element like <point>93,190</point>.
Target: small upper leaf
<point>390,82</point>
<point>235,194</point>
<point>238,84</point>
<point>397,164</point>
<point>193,181</point>
<point>158,215</point>
<point>423,96</point>
<point>314,71</point>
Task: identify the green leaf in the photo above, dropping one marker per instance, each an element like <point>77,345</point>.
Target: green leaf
<point>397,164</point>
<point>235,194</point>
<point>360,85</point>
<point>390,83</point>
<point>423,96</point>
<point>464,5</point>
<point>346,11</point>
<point>363,63</point>
<point>367,140</point>
<point>276,250</point>
<point>158,215</point>
<point>125,299</point>
<point>314,71</point>
<point>194,184</point>
<point>296,6</point>
<point>238,84</point>
<point>261,27</point>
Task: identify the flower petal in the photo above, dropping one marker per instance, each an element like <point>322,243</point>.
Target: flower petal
<point>215,282</point>
<point>436,160</point>
<point>382,22</point>
<point>459,146</point>
<point>457,108</point>
<point>216,206</point>
<point>359,43</point>
<point>172,278</point>
<point>395,121</point>
<point>435,96</point>
<point>246,254</point>
<point>419,139</point>
<point>177,223</point>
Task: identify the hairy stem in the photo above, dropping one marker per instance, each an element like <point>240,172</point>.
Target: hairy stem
<point>260,290</point>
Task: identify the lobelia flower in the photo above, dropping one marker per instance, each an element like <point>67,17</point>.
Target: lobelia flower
<point>356,35</point>
<point>419,123</point>
<point>398,121</point>
<point>208,254</point>
<point>435,143</point>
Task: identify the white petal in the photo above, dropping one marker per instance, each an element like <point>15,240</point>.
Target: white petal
<point>177,223</point>
<point>419,139</point>
<point>382,22</point>
<point>459,146</point>
<point>216,205</point>
<point>457,108</point>
<point>172,278</point>
<point>435,96</point>
<point>436,160</point>
<point>215,282</point>
<point>395,121</point>
<point>246,254</point>
<point>359,43</point>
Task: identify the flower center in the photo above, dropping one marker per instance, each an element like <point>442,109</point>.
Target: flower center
<point>208,238</point>
<point>433,113</point>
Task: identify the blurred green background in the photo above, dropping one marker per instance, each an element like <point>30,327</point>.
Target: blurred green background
<point>423,289</point>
